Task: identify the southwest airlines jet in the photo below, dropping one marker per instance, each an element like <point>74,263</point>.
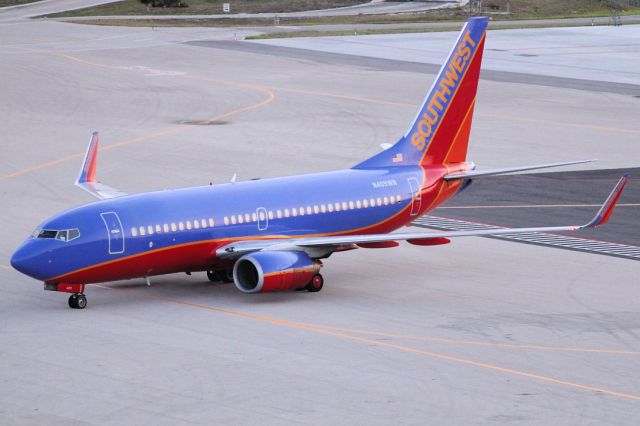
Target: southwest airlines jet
<point>272,234</point>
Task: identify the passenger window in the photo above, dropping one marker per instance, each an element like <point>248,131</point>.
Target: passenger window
<point>308,210</point>
<point>286,212</point>
<point>279,214</point>
<point>240,218</point>
<point>150,230</point>
<point>61,235</point>
<point>73,234</point>
<point>142,231</point>
<point>351,206</point>
<point>294,212</point>
<point>203,223</point>
<point>254,217</point>
<point>165,227</point>
<point>270,214</point>
<point>379,202</point>
<point>262,216</point>
<point>188,223</point>
<point>233,220</point>
<point>212,223</point>
<point>174,228</point>
<point>158,228</point>
<point>134,232</point>
<point>330,208</point>
<point>323,208</point>
<point>181,226</point>
<point>226,221</point>
<point>392,199</point>
<point>247,218</point>
<point>301,211</point>
<point>196,224</point>
<point>385,201</point>
<point>365,203</point>
<point>372,202</point>
<point>358,204</point>
<point>337,206</point>
<point>399,198</point>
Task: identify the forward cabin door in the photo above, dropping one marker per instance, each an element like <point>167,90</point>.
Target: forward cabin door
<point>114,231</point>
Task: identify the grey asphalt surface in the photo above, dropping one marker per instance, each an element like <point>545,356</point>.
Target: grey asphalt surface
<point>476,332</point>
<point>540,199</point>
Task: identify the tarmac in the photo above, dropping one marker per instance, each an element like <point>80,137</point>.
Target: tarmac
<point>480,331</point>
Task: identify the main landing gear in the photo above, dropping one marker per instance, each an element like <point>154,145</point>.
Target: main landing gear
<point>315,284</point>
<point>224,275</point>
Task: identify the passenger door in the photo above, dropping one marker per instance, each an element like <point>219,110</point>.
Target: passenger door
<point>416,196</point>
<point>114,231</point>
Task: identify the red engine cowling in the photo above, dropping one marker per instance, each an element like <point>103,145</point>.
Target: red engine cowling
<point>267,271</point>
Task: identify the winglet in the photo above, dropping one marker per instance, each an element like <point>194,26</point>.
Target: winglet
<point>87,179</point>
<point>89,165</point>
<point>606,210</point>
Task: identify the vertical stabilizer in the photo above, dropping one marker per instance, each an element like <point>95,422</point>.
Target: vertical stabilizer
<point>440,132</point>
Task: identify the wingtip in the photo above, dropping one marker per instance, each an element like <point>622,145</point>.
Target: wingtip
<point>609,205</point>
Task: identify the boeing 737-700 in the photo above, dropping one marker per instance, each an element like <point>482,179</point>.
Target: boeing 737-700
<point>272,234</point>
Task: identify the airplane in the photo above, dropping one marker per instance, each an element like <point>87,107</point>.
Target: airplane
<point>273,234</point>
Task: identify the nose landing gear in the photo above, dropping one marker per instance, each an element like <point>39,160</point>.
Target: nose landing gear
<point>77,300</point>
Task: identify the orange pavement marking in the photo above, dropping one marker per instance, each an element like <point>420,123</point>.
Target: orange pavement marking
<point>271,96</point>
<point>320,330</point>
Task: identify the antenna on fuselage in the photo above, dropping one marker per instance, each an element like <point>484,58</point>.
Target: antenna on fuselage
<point>233,178</point>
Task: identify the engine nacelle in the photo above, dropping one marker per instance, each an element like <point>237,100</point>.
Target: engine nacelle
<point>266,271</point>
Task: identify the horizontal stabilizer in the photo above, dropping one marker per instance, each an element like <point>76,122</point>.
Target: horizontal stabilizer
<point>477,173</point>
<point>87,178</point>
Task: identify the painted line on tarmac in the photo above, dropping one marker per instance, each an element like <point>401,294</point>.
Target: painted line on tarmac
<point>535,206</point>
<point>270,97</point>
<point>430,354</point>
<point>480,343</point>
<point>502,117</point>
<point>625,251</point>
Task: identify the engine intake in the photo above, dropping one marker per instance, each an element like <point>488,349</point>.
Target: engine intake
<point>267,271</point>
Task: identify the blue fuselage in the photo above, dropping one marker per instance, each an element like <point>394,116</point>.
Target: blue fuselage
<point>149,226</point>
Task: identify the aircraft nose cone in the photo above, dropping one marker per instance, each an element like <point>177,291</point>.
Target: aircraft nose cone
<point>24,260</point>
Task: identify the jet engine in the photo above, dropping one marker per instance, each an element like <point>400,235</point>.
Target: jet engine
<point>266,271</point>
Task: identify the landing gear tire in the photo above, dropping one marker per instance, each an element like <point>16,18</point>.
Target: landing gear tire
<point>224,275</point>
<point>77,301</point>
<point>227,275</point>
<point>316,284</point>
<point>213,276</point>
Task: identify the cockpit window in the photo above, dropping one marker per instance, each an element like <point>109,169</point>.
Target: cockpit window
<point>61,235</point>
<point>73,234</point>
<point>47,233</point>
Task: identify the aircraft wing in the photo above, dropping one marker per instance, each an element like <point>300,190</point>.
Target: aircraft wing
<point>319,246</point>
<point>87,177</point>
<point>490,172</point>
